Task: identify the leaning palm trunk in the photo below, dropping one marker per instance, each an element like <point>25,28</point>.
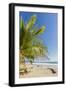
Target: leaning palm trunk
<point>22,65</point>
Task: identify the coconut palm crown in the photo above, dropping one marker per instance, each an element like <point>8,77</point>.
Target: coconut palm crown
<point>30,44</point>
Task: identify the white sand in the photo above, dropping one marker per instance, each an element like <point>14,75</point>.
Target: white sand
<point>39,71</point>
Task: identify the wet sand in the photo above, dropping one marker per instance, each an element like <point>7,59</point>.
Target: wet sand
<point>39,71</point>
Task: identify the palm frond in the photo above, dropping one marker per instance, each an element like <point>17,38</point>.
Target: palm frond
<point>31,22</point>
<point>22,24</point>
<point>22,33</point>
<point>40,31</point>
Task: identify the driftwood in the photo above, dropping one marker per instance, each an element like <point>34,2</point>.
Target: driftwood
<point>53,71</point>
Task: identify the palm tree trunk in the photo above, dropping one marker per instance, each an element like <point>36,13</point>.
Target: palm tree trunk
<point>22,65</point>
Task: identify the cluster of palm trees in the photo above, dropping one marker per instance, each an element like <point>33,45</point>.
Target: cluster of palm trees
<point>30,44</point>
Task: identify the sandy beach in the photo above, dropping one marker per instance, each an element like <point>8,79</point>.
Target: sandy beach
<point>39,71</point>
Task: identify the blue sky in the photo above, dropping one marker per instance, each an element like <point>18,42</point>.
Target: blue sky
<point>50,35</point>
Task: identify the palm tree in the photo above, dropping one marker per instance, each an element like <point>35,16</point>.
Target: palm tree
<point>30,44</point>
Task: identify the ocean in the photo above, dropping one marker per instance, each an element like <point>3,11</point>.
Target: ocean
<point>43,61</point>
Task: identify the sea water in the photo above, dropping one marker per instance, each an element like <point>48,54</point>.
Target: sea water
<point>41,61</point>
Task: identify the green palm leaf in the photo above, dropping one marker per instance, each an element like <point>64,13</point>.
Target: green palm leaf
<point>22,31</point>
<point>40,31</point>
<point>31,22</point>
<point>21,24</point>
